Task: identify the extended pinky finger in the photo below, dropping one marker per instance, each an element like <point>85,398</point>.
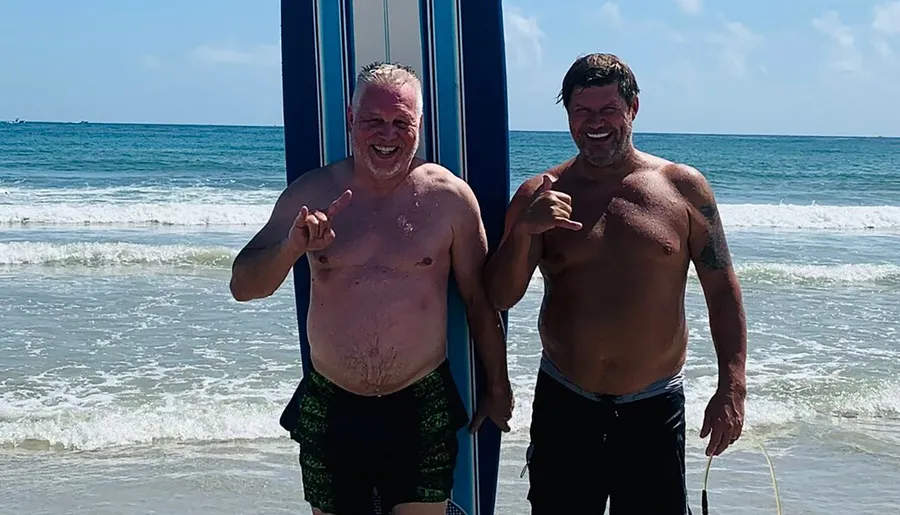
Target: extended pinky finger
<point>565,223</point>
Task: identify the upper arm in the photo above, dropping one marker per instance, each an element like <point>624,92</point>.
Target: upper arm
<point>281,218</point>
<point>518,204</point>
<point>520,201</point>
<point>706,239</point>
<point>469,247</point>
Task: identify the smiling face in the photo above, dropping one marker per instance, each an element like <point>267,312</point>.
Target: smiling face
<point>600,122</point>
<point>384,126</point>
<point>600,94</point>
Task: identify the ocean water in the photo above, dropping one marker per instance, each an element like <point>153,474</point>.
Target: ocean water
<point>131,383</point>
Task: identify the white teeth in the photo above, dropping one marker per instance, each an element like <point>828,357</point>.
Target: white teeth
<point>385,150</point>
<point>598,135</point>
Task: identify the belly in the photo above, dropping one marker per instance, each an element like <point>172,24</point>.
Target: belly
<point>615,333</point>
<point>376,332</point>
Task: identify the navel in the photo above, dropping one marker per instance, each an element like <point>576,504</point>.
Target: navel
<point>425,262</point>
<point>323,259</point>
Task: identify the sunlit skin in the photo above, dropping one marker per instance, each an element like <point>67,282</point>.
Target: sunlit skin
<point>382,231</point>
<point>614,231</point>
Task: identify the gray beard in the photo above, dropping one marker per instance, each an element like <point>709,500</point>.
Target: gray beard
<point>401,166</point>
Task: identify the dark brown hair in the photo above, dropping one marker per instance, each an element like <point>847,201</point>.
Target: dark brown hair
<point>598,70</point>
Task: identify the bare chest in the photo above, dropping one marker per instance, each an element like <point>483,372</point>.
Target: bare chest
<point>629,227</point>
<point>410,236</point>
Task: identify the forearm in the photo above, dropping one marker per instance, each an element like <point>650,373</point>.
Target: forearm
<point>257,273</point>
<point>509,270</point>
<point>486,327</point>
<point>728,327</point>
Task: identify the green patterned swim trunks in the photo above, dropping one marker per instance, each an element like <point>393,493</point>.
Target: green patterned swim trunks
<point>402,445</point>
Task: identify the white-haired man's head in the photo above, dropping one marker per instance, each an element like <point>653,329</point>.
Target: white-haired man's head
<point>384,115</point>
<point>387,75</point>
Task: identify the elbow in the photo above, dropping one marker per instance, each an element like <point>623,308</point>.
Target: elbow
<point>502,304</point>
<point>725,296</point>
<point>499,296</point>
<point>239,294</point>
<point>493,294</point>
<point>242,293</point>
<point>243,286</point>
<point>500,300</point>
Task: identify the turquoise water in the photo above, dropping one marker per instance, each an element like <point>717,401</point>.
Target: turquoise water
<point>130,381</point>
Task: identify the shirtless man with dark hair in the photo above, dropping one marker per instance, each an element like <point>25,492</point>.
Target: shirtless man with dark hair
<point>614,230</point>
<point>382,230</point>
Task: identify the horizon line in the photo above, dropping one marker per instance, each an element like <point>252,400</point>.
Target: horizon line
<point>552,131</point>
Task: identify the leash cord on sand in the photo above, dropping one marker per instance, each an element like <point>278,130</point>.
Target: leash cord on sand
<point>703,498</point>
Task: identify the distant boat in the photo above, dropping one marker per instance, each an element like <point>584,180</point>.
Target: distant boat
<point>16,121</point>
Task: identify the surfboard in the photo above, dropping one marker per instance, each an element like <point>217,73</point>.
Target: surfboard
<point>457,49</point>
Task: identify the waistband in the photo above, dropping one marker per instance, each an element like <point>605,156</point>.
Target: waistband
<point>664,385</point>
<point>435,380</point>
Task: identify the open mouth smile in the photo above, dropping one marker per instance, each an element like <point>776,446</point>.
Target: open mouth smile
<point>598,136</point>
<point>385,150</point>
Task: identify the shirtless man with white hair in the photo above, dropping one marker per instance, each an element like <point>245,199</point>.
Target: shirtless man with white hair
<point>382,230</point>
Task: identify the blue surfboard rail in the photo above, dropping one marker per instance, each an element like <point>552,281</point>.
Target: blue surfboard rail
<point>302,129</point>
<point>461,49</point>
<point>487,144</point>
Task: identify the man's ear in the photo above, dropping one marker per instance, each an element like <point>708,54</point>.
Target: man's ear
<point>349,117</point>
<point>634,107</point>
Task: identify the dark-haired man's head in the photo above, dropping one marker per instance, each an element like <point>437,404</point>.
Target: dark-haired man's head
<point>600,94</point>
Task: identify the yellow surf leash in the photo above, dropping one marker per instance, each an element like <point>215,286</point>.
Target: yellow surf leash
<point>704,501</point>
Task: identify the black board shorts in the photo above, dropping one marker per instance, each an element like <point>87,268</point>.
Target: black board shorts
<point>586,451</point>
<point>401,447</point>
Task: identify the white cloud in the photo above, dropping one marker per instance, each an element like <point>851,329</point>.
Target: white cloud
<point>268,55</point>
<point>610,12</point>
<point>831,25</point>
<point>736,41</point>
<point>887,18</point>
<point>690,6</point>
<point>846,58</point>
<point>523,36</point>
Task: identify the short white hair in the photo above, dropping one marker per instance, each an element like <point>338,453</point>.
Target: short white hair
<point>388,74</point>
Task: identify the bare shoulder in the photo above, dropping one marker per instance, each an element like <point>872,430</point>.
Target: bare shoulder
<point>690,183</point>
<point>450,190</point>
<point>309,189</point>
<point>315,186</point>
<point>526,189</point>
<point>435,176</point>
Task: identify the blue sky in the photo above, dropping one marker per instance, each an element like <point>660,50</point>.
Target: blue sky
<point>782,67</point>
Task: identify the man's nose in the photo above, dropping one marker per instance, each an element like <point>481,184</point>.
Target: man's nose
<point>387,131</point>
<point>595,119</point>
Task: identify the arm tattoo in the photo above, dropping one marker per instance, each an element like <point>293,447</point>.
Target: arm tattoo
<point>715,255</point>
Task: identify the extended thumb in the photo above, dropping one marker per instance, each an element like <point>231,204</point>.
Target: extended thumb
<point>546,185</point>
